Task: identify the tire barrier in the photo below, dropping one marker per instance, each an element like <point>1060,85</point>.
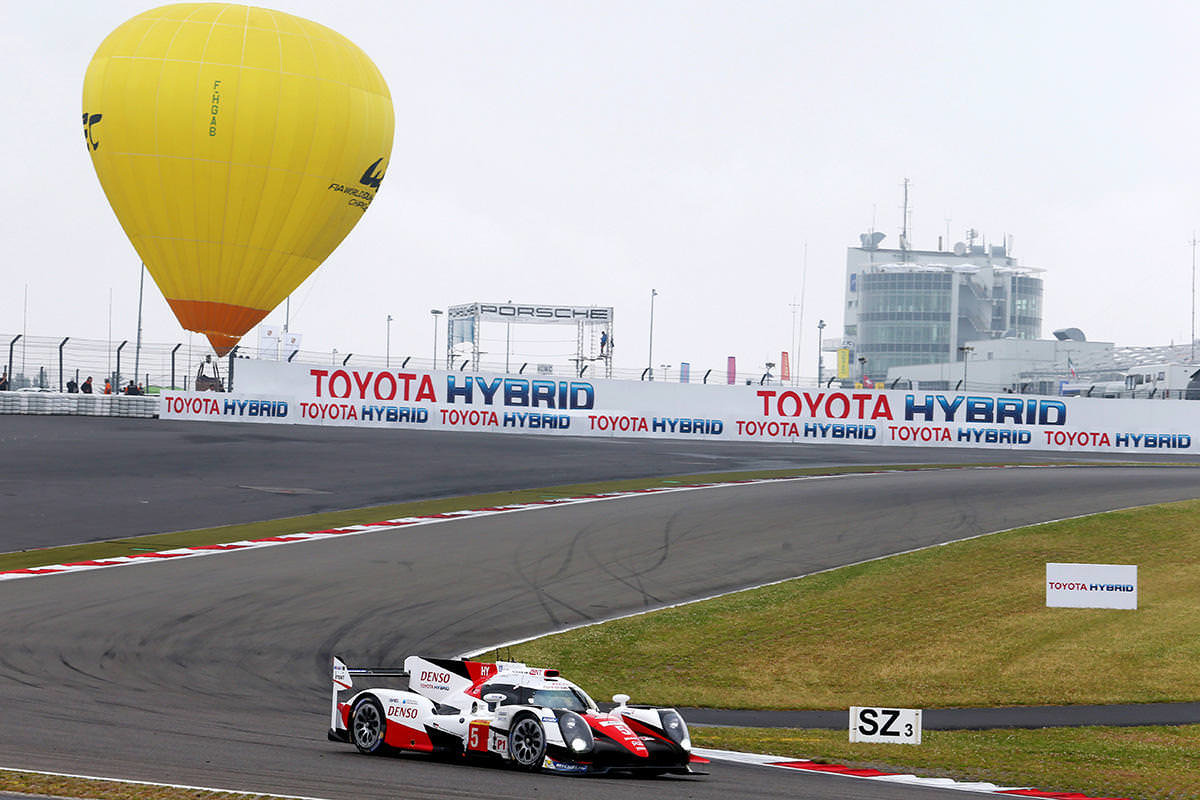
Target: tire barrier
<point>78,405</point>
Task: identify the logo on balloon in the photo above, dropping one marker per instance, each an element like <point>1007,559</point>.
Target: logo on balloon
<point>88,121</point>
<point>370,179</point>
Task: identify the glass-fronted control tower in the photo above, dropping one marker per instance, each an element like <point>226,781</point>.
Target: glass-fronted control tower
<point>907,307</point>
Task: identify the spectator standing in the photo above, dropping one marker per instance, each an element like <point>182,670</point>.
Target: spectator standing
<point>86,386</point>
<point>4,381</point>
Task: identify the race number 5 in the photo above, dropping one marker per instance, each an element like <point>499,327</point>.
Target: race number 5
<point>477,737</point>
<point>885,725</point>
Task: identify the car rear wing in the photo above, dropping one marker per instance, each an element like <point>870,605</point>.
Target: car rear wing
<point>343,674</point>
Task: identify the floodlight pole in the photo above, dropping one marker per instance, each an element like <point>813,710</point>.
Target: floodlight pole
<point>137,350</point>
<point>435,312</point>
<point>650,355</point>
<point>966,350</point>
<point>389,342</point>
<point>820,355</point>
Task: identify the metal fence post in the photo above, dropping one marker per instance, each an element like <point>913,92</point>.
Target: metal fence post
<point>11,345</point>
<point>173,365</point>
<point>116,383</point>
<point>60,362</point>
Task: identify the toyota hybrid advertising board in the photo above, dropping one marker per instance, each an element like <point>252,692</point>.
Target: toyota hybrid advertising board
<point>271,392</point>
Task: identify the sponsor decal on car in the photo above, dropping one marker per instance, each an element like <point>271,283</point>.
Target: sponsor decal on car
<point>402,710</point>
<point>563,766</point>
<point>619,732</point>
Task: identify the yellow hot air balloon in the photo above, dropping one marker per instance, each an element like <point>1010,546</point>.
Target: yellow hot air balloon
<point>238,146</point>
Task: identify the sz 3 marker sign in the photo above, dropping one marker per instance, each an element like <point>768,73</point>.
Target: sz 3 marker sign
<point>885,725</point>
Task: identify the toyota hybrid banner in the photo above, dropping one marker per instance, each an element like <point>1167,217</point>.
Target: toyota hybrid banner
<point>278,392</point>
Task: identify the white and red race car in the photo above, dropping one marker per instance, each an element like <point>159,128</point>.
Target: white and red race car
<point>505,710</point>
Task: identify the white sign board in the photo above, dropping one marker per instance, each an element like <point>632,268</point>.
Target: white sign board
<point>885,725</point>
<point>517,312</point>
<point>1091,585</point>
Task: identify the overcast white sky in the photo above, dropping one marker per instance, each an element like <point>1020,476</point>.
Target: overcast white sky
<point>587,152</point>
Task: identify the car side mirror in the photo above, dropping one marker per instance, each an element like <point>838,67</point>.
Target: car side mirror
<point>494,699</point>
<point>620,699</point>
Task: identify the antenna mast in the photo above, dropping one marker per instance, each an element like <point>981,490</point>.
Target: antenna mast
<point>1193,243</point>
<point>904,245</point>
<point>796,339</point>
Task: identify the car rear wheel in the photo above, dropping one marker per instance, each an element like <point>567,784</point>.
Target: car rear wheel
<point>367,726</point>
<point>527,742</point>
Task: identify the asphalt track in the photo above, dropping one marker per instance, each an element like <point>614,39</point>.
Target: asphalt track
<point>75,479</point>
<point>214,671</point>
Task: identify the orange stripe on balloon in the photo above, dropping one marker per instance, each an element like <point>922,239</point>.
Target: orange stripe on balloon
<point>223,323</point>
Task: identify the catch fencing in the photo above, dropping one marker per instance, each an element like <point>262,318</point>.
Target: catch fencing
<point>48,362</point>
<point>45,362</point>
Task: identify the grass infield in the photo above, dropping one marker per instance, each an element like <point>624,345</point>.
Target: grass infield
<point>1151,763</point>
<point>961,625</point>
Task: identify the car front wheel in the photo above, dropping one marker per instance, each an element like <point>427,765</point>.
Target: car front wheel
<point>527,742</point>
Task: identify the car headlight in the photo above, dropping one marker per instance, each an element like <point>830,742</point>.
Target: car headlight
<point>675,728</point>
<point>575,731</point>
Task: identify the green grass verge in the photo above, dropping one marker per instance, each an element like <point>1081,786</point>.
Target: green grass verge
<point>1151,763</point>
<point>959,625</point>
<point>276,527</point>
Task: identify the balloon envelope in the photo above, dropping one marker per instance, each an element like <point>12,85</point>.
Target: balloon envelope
<point>238,146</point>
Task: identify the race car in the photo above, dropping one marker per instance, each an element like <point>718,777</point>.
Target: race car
<point>531,718</point>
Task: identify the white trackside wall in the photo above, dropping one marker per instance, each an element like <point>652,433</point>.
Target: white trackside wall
<point>274,392</point>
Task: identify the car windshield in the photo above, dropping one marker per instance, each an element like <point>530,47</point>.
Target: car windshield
<point>558,698</point>
<point>566,698</point>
